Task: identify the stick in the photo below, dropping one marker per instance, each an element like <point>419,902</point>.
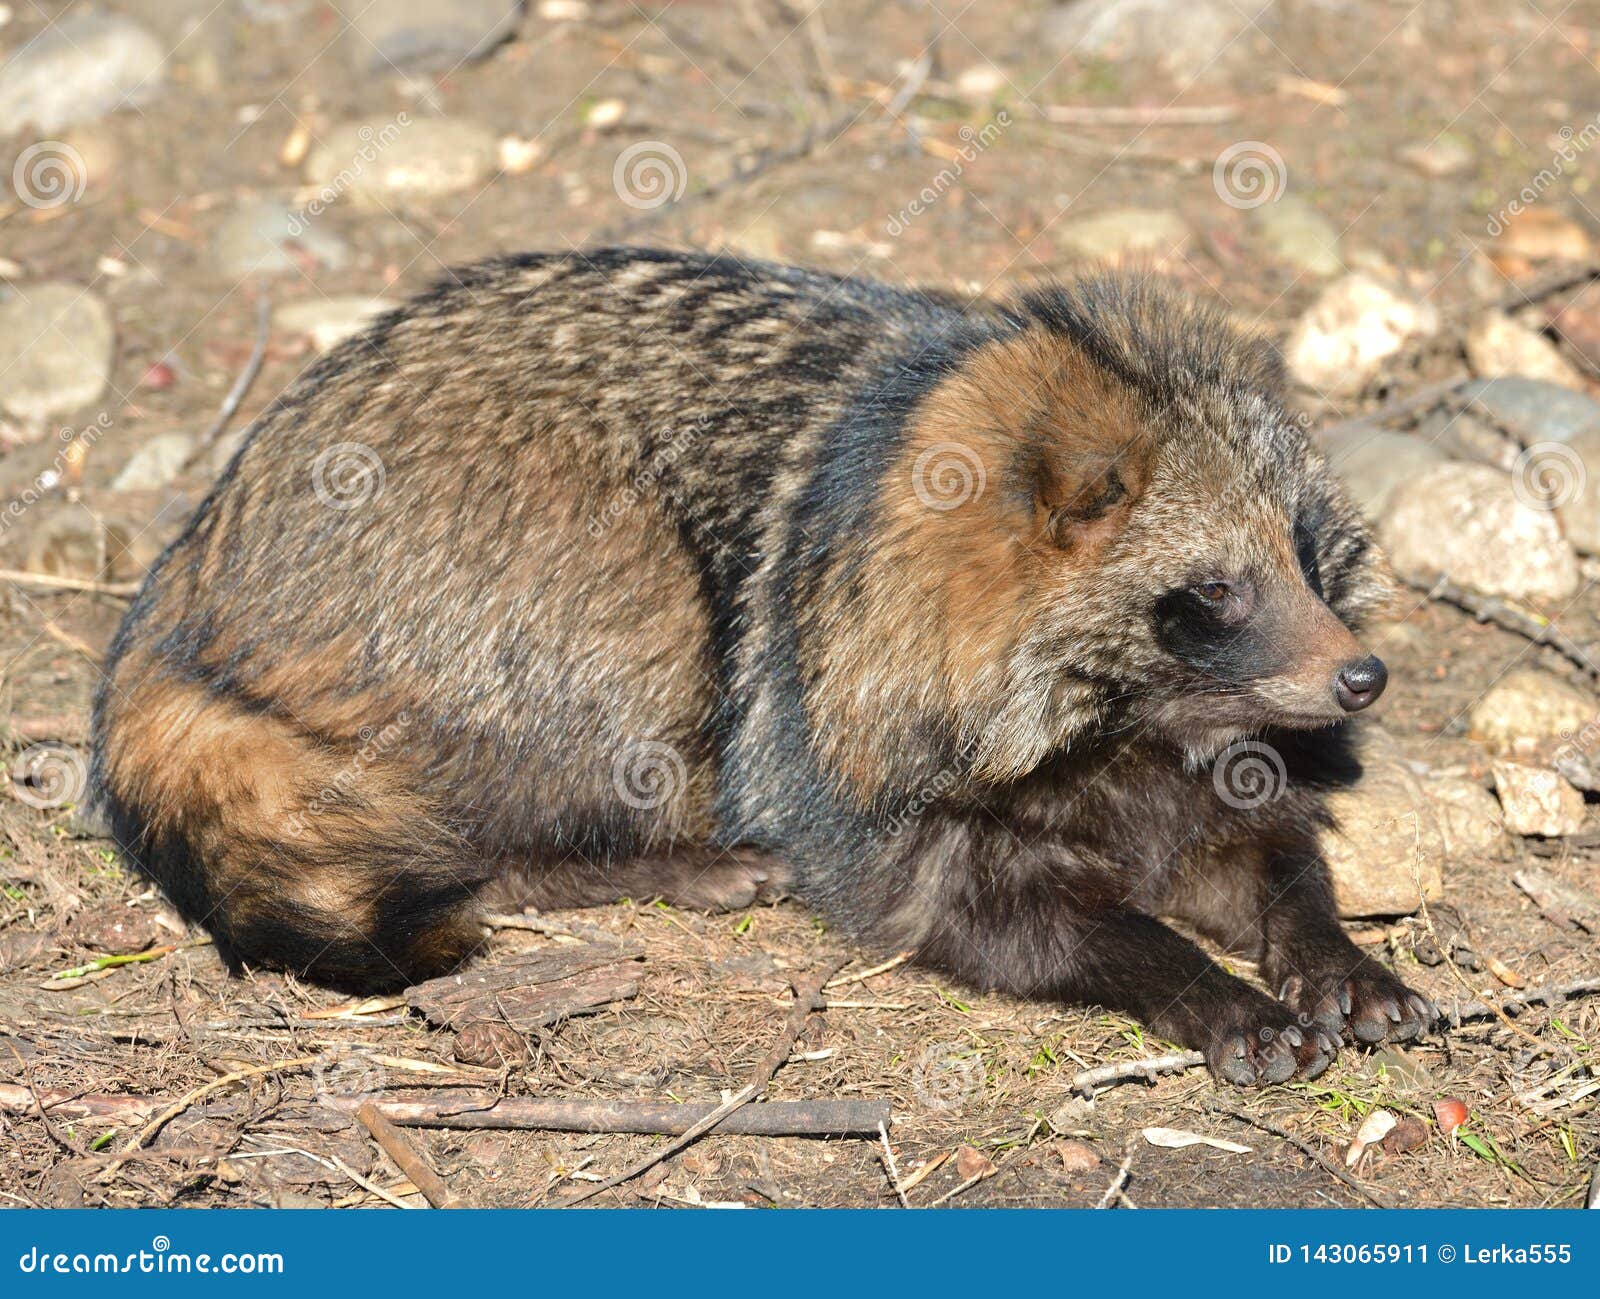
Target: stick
<point>1520,1000</point>
<point>888,1162</point>
<point>1120,1180</point>
<point>60,582</point>
<point>241,385</point>
<point>1423,397</point>
<point>1508,617</point>
<point>1304,1147</point>
<point>53,726</point>
<point>1147,1070</point>
<point>1089,115</point>
<point>466,1110</point>
<point>858,976</point>
<point>807,997</point>
<point>199,1093</point>
<point>407,1158</point>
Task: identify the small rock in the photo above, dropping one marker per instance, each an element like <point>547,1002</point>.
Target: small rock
<point>1498,346</point>
<point>1467,522</point>
<point>81,67</point>
<point>1540,233</point>
<point>1578,499</point>
<point>1358,322</point>
<point>401,36</point>
<point>1528,707</point>
<point>1403,1073</point>
<point>260,237</point>
<point>330,320</point>
<point>56,345</point>
<point>375,163</point>
<point>1184,38</point>
<point>980,81</point>
<point>1533,410</point>
<point>1127,232</point>
<point>1537,801</point>
<point>1374,462</point>
<point>1469,818</point>
<point>1300,235</point>
<point>155,464</point>
<point>1446,156</point>
<point>1387,850</point>
<point>119,932</point>
<point>199,34</point>
<point>72,541</point>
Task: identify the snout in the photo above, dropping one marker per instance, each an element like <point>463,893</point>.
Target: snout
<point>1359,684</point>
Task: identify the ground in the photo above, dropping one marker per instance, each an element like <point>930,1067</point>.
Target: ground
<point>830,141</point>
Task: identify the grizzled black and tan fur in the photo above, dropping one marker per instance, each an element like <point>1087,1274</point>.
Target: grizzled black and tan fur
<point>636,573</point>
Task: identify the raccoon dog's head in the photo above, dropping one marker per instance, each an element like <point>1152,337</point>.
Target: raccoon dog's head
<point>1118,531</point>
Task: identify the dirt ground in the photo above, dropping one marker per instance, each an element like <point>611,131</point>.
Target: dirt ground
<point>808,141</point>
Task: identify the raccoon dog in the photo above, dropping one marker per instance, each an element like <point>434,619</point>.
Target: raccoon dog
<point>648,574</point>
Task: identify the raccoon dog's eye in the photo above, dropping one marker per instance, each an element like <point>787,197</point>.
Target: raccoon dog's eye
<point>1213,592</point>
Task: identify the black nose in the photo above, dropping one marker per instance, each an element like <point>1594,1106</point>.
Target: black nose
<point>1359,683</point>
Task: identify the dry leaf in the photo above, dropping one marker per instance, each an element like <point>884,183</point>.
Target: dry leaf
<point>1177,1139</point>
<point>1374,1128</point>
<point>972,1163</point>
<point>1504,973</point>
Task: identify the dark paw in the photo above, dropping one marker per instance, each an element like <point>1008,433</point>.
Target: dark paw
<point>733,882</point>
<point>1367,1004</point>
<point>1270,1046</point>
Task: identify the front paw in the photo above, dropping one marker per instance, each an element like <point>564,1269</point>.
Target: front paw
<point>1364,1004</point>
<point>1266,1042</point>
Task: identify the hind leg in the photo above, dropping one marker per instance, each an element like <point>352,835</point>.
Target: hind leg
<point>697,879</point>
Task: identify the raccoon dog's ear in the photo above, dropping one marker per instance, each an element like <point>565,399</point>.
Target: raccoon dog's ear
<point>1084,486</point>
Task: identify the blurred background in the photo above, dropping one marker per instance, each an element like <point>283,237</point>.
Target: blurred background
<point>198,197</point>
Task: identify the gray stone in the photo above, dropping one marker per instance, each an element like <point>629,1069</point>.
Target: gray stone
<point>1357,323</point>
<point>1527,708</point>
<point>56,343</point>
<point>1537,801</point>
<point>1531,409</point>
<point>329,321</point>
<point>402,36</point>
<point>1300,235</point>
<point>1468,523</point>
<point>258,238</point>
<point>1499,347</point>
<point>155,464</point>
<point>86,65</point>
<point>1184,38</point>
<point>1387,851</point>
<point>376,163</point>
<point>1579,501</point>
<point>1469,818</point>
<point>198,34</point>
<point>1445,156</point>
<point>1373,462</point>
<point>1123,232</point>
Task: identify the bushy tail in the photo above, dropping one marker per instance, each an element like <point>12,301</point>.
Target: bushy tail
<point>294,854</point>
